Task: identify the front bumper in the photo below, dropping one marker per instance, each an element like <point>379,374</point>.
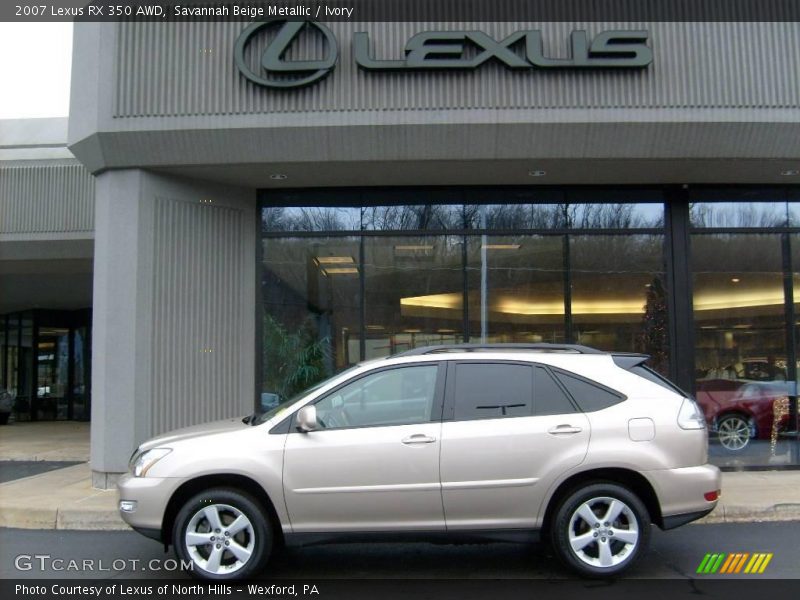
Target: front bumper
<point>151,496</point>
<point>681,492</point>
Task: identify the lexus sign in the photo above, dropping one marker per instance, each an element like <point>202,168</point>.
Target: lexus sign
<point>434,50</point>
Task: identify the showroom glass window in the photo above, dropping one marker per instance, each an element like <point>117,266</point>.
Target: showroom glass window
<point>571,266</point>
<point>741,255</point>
<point>355,275</point>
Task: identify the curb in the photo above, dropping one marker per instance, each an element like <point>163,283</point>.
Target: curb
<point>105,520</point>
<point>746,514</point>
<point>62,519</point>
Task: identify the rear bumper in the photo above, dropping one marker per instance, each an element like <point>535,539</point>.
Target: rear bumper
<point>681,493</point>
<point>674,521</point>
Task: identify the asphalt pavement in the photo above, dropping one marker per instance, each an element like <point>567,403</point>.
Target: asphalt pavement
<point>674,554</point>
<point>11,470</point>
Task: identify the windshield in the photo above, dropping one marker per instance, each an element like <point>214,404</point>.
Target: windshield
<point>285,403</point>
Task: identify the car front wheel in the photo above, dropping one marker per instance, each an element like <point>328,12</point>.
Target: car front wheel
<point>224,533</point>
<point>600,530</point>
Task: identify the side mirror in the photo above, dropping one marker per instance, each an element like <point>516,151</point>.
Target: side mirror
<point>307,419</point>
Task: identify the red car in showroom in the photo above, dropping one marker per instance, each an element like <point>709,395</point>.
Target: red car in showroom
<point>740,410</point>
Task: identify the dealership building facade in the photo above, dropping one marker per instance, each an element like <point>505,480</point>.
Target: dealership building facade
<point>237,211</point>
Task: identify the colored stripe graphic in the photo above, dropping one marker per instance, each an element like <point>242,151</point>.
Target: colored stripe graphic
<point>730,564</point>
<point>727,564</point>
<point>741,562</point>
<point>752,562</point>
<point>758,562</point>
<point>703,563</point>
<point>718,563</point>
<point>765,563</point>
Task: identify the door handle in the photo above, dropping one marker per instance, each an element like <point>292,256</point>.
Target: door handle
<point>559,429</point>
<point>418,438</point>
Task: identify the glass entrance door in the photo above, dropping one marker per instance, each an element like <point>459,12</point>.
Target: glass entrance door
<point>45,366</point>
<point>52,373</point>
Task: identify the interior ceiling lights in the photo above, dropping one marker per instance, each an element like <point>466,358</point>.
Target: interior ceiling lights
<point>609,306</point>
<point>334,260</point>
<point>340,271</point>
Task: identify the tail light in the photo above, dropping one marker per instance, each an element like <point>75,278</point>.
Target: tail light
<point>690,416</point>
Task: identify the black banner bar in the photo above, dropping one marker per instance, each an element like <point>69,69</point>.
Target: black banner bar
<point>402,10</point>
<point>355,589</point>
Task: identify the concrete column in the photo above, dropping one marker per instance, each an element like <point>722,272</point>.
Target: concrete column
<point>173,310</point>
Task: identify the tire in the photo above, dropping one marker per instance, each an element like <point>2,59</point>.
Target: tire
<point>232,554</point>
<point>734,432</point>
<point>600,549</point>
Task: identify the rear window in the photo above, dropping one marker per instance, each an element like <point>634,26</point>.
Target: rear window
<point>588,396</point>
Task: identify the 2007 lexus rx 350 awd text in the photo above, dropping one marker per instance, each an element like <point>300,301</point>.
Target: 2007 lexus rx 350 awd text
<point>587,449</point>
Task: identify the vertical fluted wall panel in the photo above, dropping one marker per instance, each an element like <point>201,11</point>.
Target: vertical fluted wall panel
<point>174,69</point>
<point>46,198</point>
<point>197,315</point>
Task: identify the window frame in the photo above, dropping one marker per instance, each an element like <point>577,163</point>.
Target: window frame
<point>436,408</point>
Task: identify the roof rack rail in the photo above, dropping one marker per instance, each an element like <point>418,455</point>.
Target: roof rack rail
<point>538,347</point>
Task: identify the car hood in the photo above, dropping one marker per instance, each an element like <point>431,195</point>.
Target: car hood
<point>195,431</point>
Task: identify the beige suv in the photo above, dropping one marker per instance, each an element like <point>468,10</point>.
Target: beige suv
<point>506,442</point>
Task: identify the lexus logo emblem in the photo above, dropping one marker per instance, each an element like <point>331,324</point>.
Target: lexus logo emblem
<point>277,71</point>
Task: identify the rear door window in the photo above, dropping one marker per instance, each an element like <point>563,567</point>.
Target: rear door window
<point>548,397</point>
<point>492,391</point>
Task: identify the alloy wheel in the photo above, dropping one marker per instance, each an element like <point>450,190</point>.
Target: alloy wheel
<point>220,539</point>
<point>733,433</point>
<point>603,532</point>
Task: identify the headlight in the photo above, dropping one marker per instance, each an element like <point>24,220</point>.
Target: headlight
<point>147,459</point>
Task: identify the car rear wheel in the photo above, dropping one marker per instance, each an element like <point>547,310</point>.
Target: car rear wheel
<point>224,533</point>
<point>600,530</point>
<point>734,432</point>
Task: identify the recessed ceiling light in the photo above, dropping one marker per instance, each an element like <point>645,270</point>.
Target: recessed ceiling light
<point>735,279</point>
<point>376,327</point>
<point>413,248</point>
<point>790,172</point>
<point>445,331</point>
<point>537,173</point>
<point>501,246</point>
<point>278,176</point>
<point>412,330</point>
<point>340,271</point>
<point>333,260</point>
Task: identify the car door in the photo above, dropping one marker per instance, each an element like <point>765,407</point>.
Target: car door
<point>373,463</point>
<point>509,429</point>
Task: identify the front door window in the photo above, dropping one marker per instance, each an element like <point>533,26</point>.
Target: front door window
<point>392,397</point>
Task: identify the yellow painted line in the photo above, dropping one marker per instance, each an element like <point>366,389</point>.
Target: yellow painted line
<point>765,563</point>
